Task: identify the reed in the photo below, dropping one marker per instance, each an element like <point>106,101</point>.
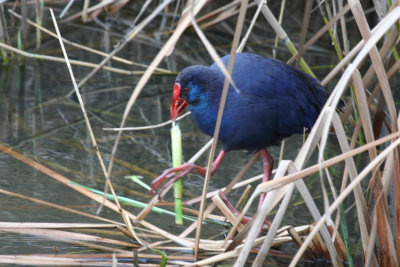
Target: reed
<point>367,128</point>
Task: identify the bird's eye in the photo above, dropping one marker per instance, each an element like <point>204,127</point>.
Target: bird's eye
<point>186,90</point>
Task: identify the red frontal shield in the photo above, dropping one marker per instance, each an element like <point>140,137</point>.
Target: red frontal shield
<point>177,104</point>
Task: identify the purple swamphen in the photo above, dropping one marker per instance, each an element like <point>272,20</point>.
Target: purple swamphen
<point>275,100</point>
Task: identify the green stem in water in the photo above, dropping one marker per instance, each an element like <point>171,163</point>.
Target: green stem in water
<point>176,144</point>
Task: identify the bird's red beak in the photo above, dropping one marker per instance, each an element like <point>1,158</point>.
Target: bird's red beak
<point>177,104</point>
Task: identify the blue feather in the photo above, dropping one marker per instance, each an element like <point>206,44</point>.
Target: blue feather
<point>275,101</point>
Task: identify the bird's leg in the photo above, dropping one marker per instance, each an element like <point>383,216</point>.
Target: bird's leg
<point>223,197</point>
<point>174,174</point>
<point>245,219</point>
<point>268,163</point>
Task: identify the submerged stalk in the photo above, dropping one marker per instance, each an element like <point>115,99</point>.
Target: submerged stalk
<point>176,145</point>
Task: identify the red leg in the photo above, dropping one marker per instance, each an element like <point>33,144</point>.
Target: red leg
<point>223,197</point>
<point>174,174</point>
<point>268,163</point>
<point>245,219</point>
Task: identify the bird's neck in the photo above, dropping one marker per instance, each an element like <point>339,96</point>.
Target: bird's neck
<point>205,111</point>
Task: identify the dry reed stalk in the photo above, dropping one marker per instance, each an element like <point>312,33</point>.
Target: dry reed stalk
<point>50,235</point>
<point>396,186</point>
<point>346,42</point>
<point>219,12</point>
<point>68,236</point>
<point>109,255</point>
<point>323,30</point>
<point>230,216</point>
<point>351,54</point>
<point>42,202</point>
<point>3,36</point>
<point>226,190</point>
<point>213,53</point>
<point>33,225</point>
<point>280,18</point>
<point>62,60</point>
<point>281,33</point>
<point>310,253</point>
<point>235,186</point>
<point>380,218</point>
<point>267,207</point>
<point>377,161</point>
<point>269,186</point>
<point>347,155</point>
<point>128,37</point>
<point>388,258</point>
<point>243,197</point>
<point>85,48</point>
<point>272,200</point>
<point>273,228</point>
<point>39,11</point>
<point>144,212</point>
<point>303,190</point>
<point>86,4</point>
<point>156,198</point>
<point>376,60</point>
<point>235,43</point>
<point>184,22</point>
<point>361,205</point>
<point>120,162</point>
<point>233,253</point>
<point>384,54</point>
<point>366,49</point>
<point>40,260</point>
<point>91,133</point>
<point>303,30</point>
<point>324,232</point>
<point>223,16</point>
<point>100,5</point>
<point>62,179</point>
<point>84,259</point>
<point>147,127</point>
<point>249,30</point>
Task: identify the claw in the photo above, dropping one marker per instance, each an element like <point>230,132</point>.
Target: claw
<point>173,174</point>
<point>158,181</point>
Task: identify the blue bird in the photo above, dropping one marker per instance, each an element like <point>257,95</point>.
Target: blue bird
<point>274,101</point>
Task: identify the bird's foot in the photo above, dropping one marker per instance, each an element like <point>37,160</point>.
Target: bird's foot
<point>246,219</point>
<point>174,174</point>
<point>224,198</point>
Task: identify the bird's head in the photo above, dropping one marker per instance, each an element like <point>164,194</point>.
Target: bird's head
<point>190,89</point>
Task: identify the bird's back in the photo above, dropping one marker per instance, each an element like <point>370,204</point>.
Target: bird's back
<point>275,101</point>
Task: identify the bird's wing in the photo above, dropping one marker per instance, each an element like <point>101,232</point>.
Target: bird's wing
<point>296,97</point>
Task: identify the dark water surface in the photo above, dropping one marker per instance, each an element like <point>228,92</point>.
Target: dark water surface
<point>37,120</point>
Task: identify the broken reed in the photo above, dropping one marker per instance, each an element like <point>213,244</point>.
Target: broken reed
<point>176,146</point>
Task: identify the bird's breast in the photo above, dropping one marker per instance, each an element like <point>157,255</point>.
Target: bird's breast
<point>246,124</point>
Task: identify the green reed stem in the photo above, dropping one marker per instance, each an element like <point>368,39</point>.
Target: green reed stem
<point>176,144</point>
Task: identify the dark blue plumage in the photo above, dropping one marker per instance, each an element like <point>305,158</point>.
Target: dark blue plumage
<point>274,101</point>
